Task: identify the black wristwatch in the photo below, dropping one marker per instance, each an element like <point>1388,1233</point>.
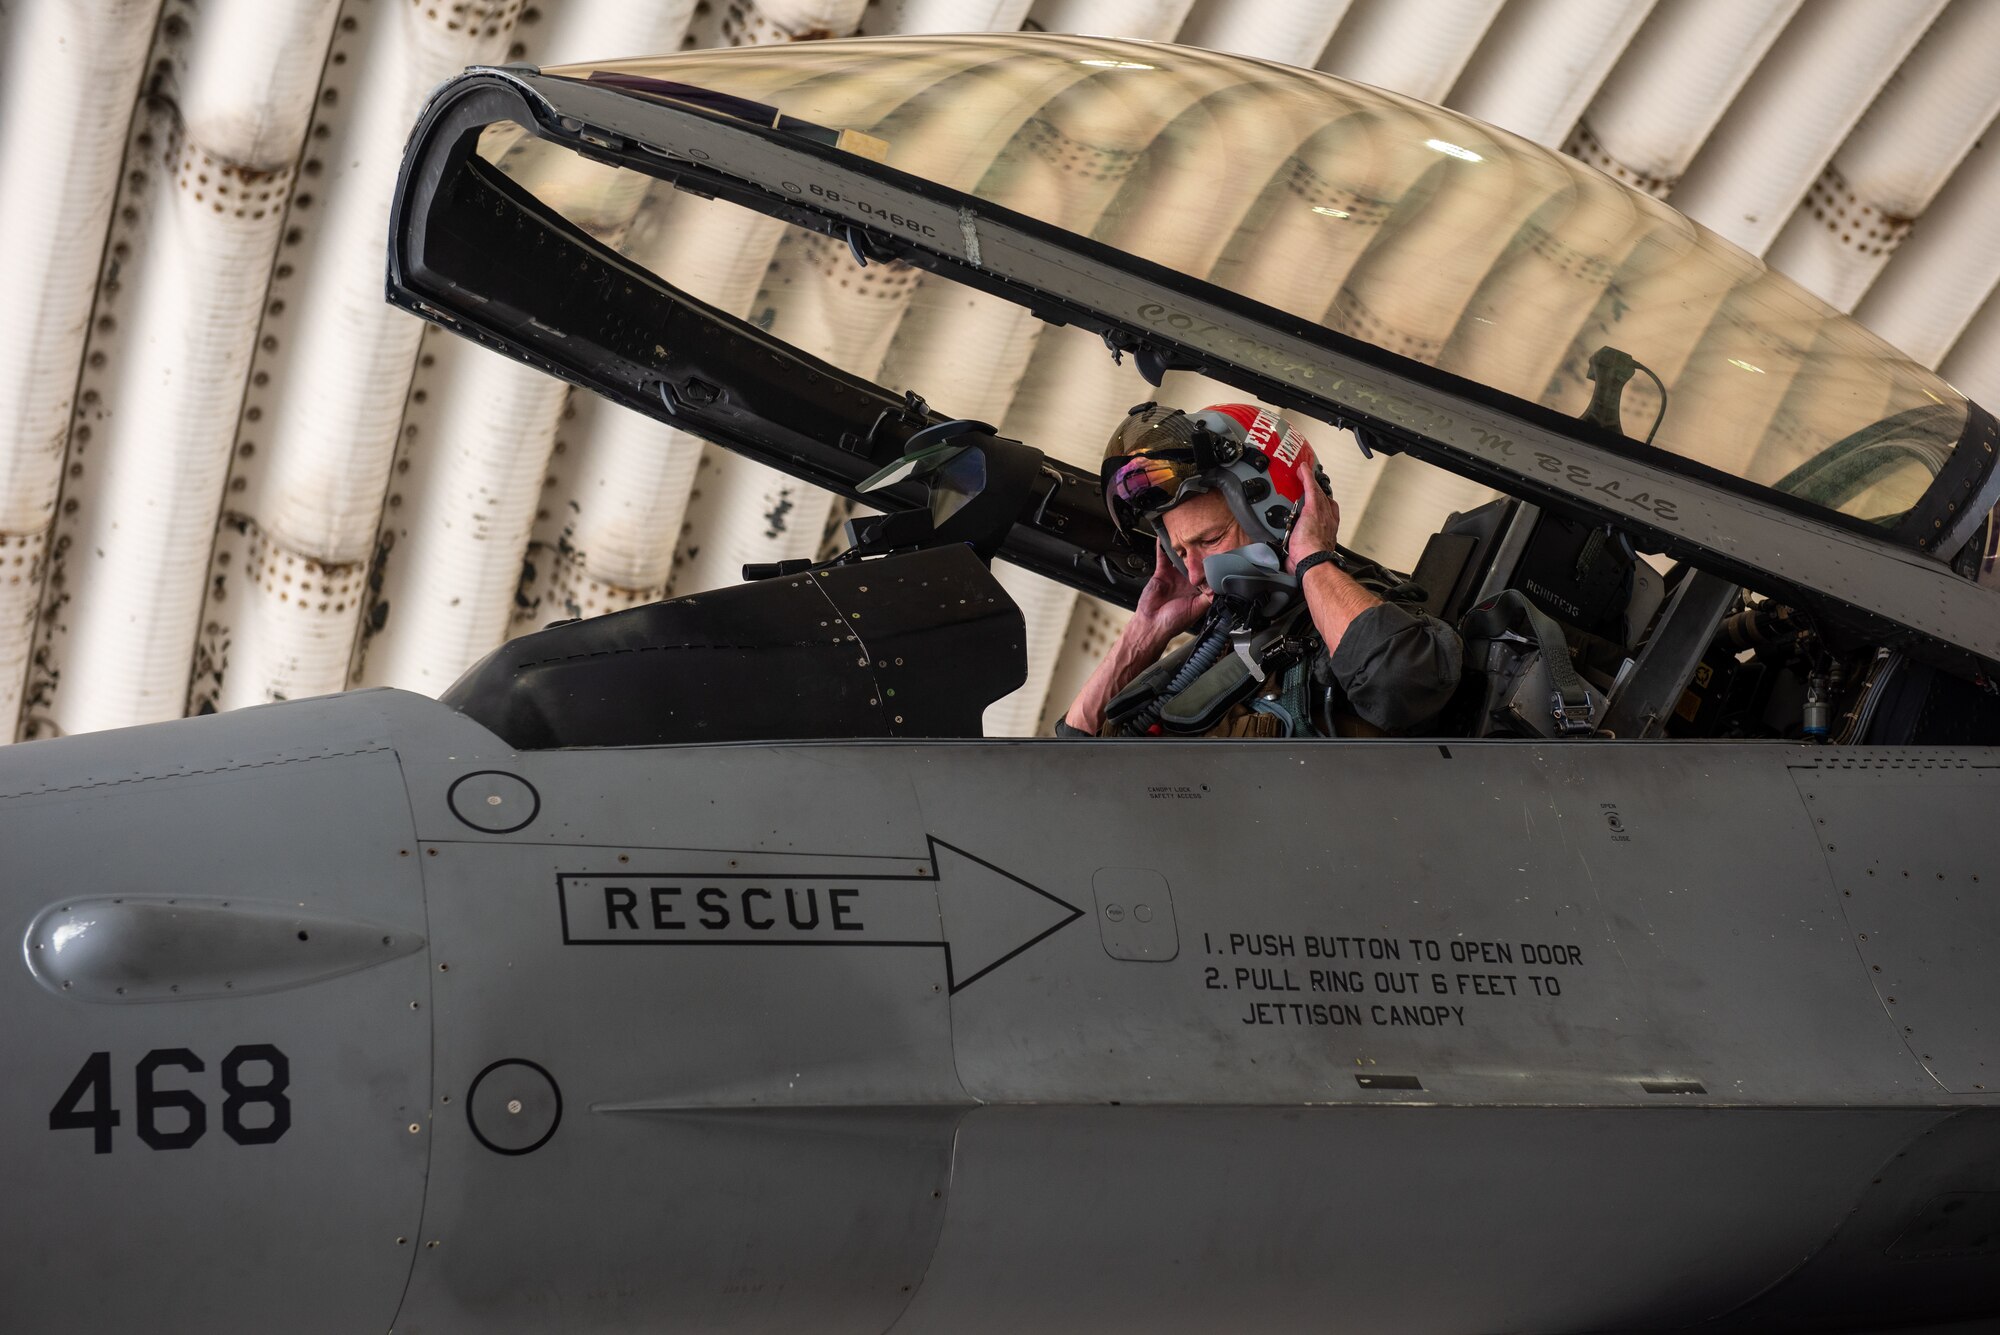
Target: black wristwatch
<point>1308,563</point>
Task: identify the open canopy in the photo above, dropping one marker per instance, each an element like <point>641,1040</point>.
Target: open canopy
<point>1440,285</point>
<point>1406,226</point>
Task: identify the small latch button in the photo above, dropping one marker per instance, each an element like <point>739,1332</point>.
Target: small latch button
<point>1135,914</point>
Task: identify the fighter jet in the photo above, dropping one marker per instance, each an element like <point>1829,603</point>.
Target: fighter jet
<point>701,967</point>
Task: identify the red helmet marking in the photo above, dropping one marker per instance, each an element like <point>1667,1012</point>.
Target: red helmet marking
<point>1277,439</point>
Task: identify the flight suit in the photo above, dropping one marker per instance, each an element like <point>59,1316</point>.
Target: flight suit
<point>1395,669</point>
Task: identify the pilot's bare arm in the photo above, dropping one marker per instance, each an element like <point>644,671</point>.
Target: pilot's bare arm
<point>1168,605</point>
<point>1137,649</point>
<point>1334,597</point>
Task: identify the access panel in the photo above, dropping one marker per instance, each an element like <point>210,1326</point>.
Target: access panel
<point>217,1036</point>
<point>1905,834</point>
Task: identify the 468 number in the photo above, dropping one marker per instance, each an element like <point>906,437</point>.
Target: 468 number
<point>87,1104</point>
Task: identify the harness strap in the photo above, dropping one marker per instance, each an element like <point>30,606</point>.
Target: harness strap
<point>1508,613</point>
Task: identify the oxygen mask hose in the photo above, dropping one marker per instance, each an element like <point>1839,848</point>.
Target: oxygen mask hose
<point>1223,620</point>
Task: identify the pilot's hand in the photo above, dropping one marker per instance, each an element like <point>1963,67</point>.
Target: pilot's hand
<point>1318,526</point>
<point>1169,603</point>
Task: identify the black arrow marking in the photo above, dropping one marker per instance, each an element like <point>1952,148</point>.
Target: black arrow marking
<point>979,915</point>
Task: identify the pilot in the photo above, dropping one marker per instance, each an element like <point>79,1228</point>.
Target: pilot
<point>1302,641</point>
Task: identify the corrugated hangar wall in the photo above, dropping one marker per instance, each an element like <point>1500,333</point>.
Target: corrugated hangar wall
<point>230,474</point>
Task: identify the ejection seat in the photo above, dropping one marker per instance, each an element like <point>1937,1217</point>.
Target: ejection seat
<point>1581,591</point>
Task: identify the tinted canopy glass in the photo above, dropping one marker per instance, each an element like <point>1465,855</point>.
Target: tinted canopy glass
<point>1406,226</point>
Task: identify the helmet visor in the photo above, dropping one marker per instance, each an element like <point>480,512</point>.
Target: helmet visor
<point>1140,487</point>
<point>1155,459</point>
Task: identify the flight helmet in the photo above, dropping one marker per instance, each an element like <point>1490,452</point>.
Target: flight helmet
<point>1160,456</point>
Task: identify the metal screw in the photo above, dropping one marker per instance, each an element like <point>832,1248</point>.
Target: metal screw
<point>513,1105</point>
<point>414,1128</point>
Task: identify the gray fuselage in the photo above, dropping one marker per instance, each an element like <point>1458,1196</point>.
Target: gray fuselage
<point>968,1036</point>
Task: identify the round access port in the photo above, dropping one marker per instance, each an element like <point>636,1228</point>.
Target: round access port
<point>514,1107</point>
<point>494,801</point>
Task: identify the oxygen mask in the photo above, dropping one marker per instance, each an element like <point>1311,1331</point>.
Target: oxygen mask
<point>1252,579</point>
